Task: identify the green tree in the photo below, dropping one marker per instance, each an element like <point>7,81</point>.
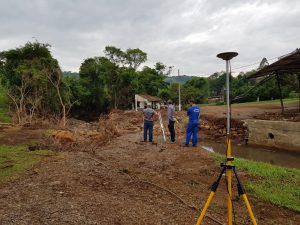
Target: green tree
<point>134,58</point>
<point>150,81</point>
<point>92,75</point>
<point>196,88</point>
<point>25,73</point>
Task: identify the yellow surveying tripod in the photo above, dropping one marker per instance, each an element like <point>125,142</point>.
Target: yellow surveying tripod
<point>228,167</point>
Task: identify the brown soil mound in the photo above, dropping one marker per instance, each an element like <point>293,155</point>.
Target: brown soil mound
<point>292,115</point>
<point>65,136</point>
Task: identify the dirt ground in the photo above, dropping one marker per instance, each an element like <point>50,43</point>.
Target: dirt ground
<point>108,176</point>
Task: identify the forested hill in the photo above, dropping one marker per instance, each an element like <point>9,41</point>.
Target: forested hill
<point>70,74</point>
<point>178,79</point>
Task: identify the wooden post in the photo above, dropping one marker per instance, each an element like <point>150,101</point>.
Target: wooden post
<point>280,92</point>
<point>179,94</point>
<point>298,75</point>
<point>135,101</point>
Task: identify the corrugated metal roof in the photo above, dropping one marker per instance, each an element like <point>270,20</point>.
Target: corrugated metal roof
<point>289,63</point>
<point>150,98</point>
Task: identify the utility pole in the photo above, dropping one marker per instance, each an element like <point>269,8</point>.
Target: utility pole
<point>179,100</point>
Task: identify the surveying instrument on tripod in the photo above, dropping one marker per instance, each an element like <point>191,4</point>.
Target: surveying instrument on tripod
<point>228,168</point>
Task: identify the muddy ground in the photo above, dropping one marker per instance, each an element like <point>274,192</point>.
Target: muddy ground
<point>108,176</point>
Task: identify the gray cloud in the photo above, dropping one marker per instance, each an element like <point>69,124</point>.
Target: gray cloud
<point>186,34</point>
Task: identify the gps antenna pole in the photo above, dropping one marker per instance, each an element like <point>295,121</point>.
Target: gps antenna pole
<point>229,167</point>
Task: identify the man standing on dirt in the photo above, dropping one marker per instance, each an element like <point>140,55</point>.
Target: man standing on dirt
<point>148,122</point>
<point>171,119</point>
<point>193,113</point>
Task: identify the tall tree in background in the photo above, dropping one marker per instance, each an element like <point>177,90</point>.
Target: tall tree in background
<point>24,74</point>
<point>92,80</point>
<point>134,58</point>
<point>121,78</point>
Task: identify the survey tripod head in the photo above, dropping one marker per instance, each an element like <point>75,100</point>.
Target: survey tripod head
<point>227,55</point>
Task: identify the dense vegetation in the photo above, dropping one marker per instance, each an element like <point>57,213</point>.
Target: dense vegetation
<point>178,79</point>
<point>243,89</point>
<point>36,86</point>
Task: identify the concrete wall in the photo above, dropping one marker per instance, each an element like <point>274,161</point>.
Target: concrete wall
<point>278,134</point>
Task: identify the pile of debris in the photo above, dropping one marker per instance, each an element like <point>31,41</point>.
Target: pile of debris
<point>212,127</point>
<point>108,127</point>
<point>216,127</point>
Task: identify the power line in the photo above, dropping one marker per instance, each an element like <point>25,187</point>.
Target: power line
<point>252,64</point>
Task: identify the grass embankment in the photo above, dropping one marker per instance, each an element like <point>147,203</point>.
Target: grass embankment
<point>15,160</point>
<point>278,185</point>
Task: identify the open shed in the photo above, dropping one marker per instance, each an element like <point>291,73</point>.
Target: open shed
<point>286,65</point>
<point>142,100</point>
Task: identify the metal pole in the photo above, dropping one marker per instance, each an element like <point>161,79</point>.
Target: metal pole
<point>179,97</point>
<point>227,97</point>
<point>228,171</point>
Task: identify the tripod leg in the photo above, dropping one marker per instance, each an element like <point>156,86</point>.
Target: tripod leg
<point>208,201</point>
<point>229,189</point>
<point>229,180</point>
<point>249,209</point>
<point>214,188</point>
<point>245,198</point>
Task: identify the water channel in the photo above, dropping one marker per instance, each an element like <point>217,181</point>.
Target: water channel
<point>275,157</point>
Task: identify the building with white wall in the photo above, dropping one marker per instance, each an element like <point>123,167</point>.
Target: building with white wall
<point>143,100</point>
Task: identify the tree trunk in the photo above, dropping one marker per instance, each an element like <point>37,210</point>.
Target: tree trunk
<point>115,99</point>
<point>17,108</point>
<point>62,105</point>
<point>280,92</point>
<point>298,75</point>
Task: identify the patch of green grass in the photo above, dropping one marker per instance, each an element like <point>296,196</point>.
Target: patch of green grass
<point>278,185</point>
<point>4,116</point>
<point>271,102</point>
<point>15,160</point>
<point>274,102</point>
<point>50,132</point>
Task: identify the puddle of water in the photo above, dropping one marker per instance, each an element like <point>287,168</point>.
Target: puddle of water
<point>280,158</point>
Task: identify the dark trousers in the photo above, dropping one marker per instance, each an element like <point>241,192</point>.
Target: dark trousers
<point>148,126</point>
<point>172,130</point>
<point>192,131</point>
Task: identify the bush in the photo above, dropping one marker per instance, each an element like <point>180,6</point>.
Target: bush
<point>220,103</point>
<point>293,94</point>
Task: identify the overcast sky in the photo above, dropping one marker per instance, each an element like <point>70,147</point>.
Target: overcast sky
<point>186,34</point>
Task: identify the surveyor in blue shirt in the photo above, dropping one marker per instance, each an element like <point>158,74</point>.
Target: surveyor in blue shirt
<point>193,113</point>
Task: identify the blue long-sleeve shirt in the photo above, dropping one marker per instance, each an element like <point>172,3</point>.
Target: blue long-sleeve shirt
<point>193,113</point>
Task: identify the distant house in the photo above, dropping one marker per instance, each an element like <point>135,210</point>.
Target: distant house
<point>214,99</point>
<point>142,100</point>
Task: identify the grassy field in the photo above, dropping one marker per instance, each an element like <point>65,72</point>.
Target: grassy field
<point>271,102</point>
<point>274,102</point>
<point>15,160</point>
<point>278,185</point>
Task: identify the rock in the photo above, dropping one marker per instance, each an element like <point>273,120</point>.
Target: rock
<point>55,183</point>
